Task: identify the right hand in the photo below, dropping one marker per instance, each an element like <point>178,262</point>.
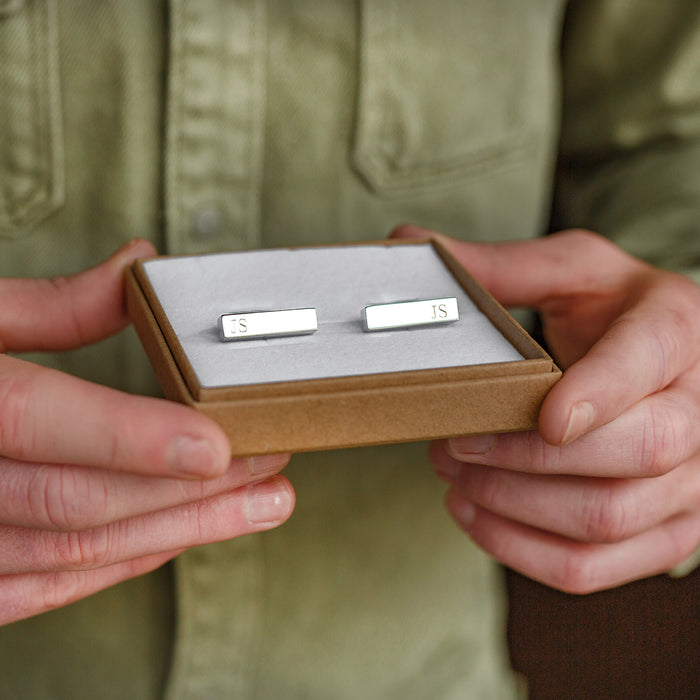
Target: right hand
<point>98,486</point>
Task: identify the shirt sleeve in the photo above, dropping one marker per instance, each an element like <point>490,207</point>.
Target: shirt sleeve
<point>629,164</point>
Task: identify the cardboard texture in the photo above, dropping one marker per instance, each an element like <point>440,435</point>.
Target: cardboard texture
<point>357,409</point>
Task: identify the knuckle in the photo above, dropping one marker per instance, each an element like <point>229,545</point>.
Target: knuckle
<point>63,498</point>
<point>51,591</point>
<point>663,441</point>
<point>61,288</point>
<point>27,595</point>
<point>576,573</point>
<point>683,539</point>
<point>540,456</point>
<point>590,245</point>
<point>584,237</point>
<point>607,517</point>
<point>201,521</point>
<point>666,337</point>
<point>85,549</point>
<point>113,446</point>
<point>490,488</point>
<point>200,515</point>
<point>16,397</point>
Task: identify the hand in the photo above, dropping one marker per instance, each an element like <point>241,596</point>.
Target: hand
<point>97,486</point>
<point>609,490</point>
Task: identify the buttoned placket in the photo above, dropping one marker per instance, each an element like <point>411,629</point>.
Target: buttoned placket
<point>215,125</point>
<point>214,150</point>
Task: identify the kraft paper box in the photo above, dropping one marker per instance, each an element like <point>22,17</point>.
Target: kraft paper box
<point>340,386</point>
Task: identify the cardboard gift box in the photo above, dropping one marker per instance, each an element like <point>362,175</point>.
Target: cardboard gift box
<point>341,386</point>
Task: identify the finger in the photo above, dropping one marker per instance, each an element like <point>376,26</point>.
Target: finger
<point>25,595</point>
<point>651,438</point>
<point>577,567</point>
<point>48,416</point>
<point>68,498</point>
<point>654,337</point>
<point>253,508</point>
<point>531,273</point>
<point>645,350</point>
<point>579,508</point>
<point>67,312</point>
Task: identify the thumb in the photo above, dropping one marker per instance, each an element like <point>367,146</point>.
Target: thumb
<point>581,283</point>
<point>67,312</point>
<point>531,273</point>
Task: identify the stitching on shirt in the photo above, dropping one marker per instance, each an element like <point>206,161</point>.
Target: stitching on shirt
<point>390,84</point>
<point>258,104</point>
<point>174,165</point>
<point>372,152</point>
<point>48,190</point>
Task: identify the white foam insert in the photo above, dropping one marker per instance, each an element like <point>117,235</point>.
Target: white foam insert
<point>339,282</point>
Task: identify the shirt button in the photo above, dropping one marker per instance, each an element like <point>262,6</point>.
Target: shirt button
<point>208,222</point>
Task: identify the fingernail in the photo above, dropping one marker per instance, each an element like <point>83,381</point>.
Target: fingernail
<point>270,464</point>
<point>268,503</point>
<point>193,457</point>
<point>580,419</point>
<point>472,444</point>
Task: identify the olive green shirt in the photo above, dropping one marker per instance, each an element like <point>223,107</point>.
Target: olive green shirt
<point>210,125</point>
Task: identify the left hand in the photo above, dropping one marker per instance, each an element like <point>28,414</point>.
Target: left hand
<point>98,486</point>
<point>608,490</point>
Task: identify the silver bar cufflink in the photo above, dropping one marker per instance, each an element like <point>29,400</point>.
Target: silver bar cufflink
<point>407,314</point>
<point>265,324</point>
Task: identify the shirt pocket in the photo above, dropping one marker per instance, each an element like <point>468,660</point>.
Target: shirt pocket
<point>31,140</point>
<point>443,93</point>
